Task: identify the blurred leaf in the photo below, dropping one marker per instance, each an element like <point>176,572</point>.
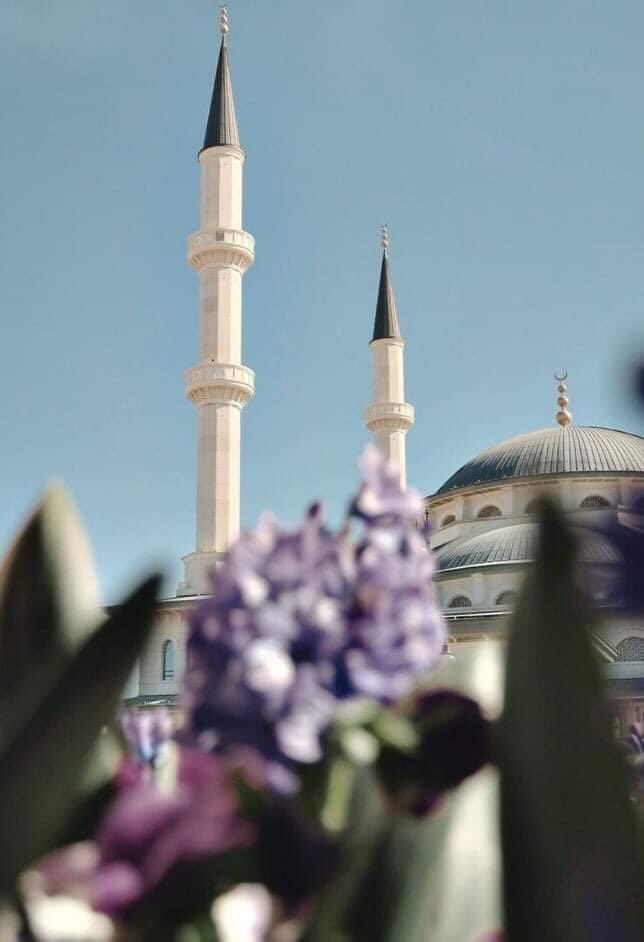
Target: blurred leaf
<point>438,879</point>
<point>95,789</point>
<point>48,602</point>
<point>357,850</point>
<point>572,864</point>
<point>41,765</point>
<point>431,880</point>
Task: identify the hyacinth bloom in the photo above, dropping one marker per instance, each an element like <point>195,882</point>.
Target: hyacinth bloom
<point>147,837</point>
<point>300,621</point>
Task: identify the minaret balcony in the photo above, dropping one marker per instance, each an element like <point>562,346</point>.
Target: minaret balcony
<point>389,416</point>
<point>222,248</point>
<point>220,384</point>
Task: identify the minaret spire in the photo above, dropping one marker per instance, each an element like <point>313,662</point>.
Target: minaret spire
<point>219,385</point>
<point>386,320</point>
<point>389,417</point>
<point>222,119</point>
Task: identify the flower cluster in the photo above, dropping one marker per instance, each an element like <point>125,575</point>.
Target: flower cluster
<point>148,837</point>
<point>300,621</point>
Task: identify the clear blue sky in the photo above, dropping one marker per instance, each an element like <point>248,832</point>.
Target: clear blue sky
<point>503,142</point>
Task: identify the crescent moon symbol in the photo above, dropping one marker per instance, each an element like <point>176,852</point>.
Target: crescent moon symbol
<point>560,379</point>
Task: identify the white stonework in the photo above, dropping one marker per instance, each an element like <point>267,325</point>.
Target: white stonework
<point>148,685</point>
<point>219,385</point>
<point>389,417</point>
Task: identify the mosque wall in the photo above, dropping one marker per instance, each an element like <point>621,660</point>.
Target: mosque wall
<point>157,660</point>
<point>483,509</point>
<point>483,588</point>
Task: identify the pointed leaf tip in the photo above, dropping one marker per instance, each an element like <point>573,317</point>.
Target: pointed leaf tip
<point>61,731</point>
<point>49,600</point>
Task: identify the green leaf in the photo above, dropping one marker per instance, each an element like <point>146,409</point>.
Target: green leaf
<point>437,879</point>
<point>96,788</point>
<point>572,863</point>
<point>366,826</point>
<point>48,603</point>
<point>40,767</point>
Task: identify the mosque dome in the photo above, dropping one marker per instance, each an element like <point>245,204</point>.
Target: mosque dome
<point>569,449</point>
<point>517,544</point>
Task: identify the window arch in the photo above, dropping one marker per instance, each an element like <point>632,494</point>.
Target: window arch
<point>460,601</point>
<point>593,502</point>
<point>532,506</point>
<point>450,518</point>
<point>631,649</point>
<point>488,511</point>
<point>168,658</point>
<point>509,597</point>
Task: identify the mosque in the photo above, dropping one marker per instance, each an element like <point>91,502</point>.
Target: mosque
<point>482,525</point>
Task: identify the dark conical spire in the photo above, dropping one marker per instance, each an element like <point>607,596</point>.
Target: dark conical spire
<point>222,120</point>
<point>386,323</point>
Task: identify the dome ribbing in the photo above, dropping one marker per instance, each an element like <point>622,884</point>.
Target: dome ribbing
<point>517,544</point>
<point>575,449</point>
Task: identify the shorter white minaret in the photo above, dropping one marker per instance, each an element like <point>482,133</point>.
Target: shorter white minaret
<point>389,417</point>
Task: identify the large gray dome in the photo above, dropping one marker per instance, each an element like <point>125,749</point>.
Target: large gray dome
<point>575,449</point>
<point>517,544</point>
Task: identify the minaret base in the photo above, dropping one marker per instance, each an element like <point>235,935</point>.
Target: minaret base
<point>197,570</point>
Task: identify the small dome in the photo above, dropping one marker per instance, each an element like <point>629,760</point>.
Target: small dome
<point>517,544</point>
<point>573,449</point>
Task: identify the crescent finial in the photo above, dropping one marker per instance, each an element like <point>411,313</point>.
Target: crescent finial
<point>223,21</point>
<point>564,415</point>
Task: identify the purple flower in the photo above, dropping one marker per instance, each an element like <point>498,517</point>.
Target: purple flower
<point>381,498</point>
<point>147,732</point>
<point>148,837</point>
<point>302,620</point>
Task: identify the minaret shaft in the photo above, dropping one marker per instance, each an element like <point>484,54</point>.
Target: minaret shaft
<point>390,417</point>
<point>222,187</point>
<point>220,315</point>
<point>388,371</point>
<point>218,467</point>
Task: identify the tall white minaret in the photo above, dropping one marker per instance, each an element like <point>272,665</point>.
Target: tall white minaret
<point>219,386</point>
<point>389,417</point>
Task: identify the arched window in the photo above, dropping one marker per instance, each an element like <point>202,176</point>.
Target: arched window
<point>167,670</point>
<point>450,518</point>
<point>489,511</point>
<point>507,598</point>
<point>460,601</point>
<point>532,506</point>
<point>631,649</point>
<point>593,502</point>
